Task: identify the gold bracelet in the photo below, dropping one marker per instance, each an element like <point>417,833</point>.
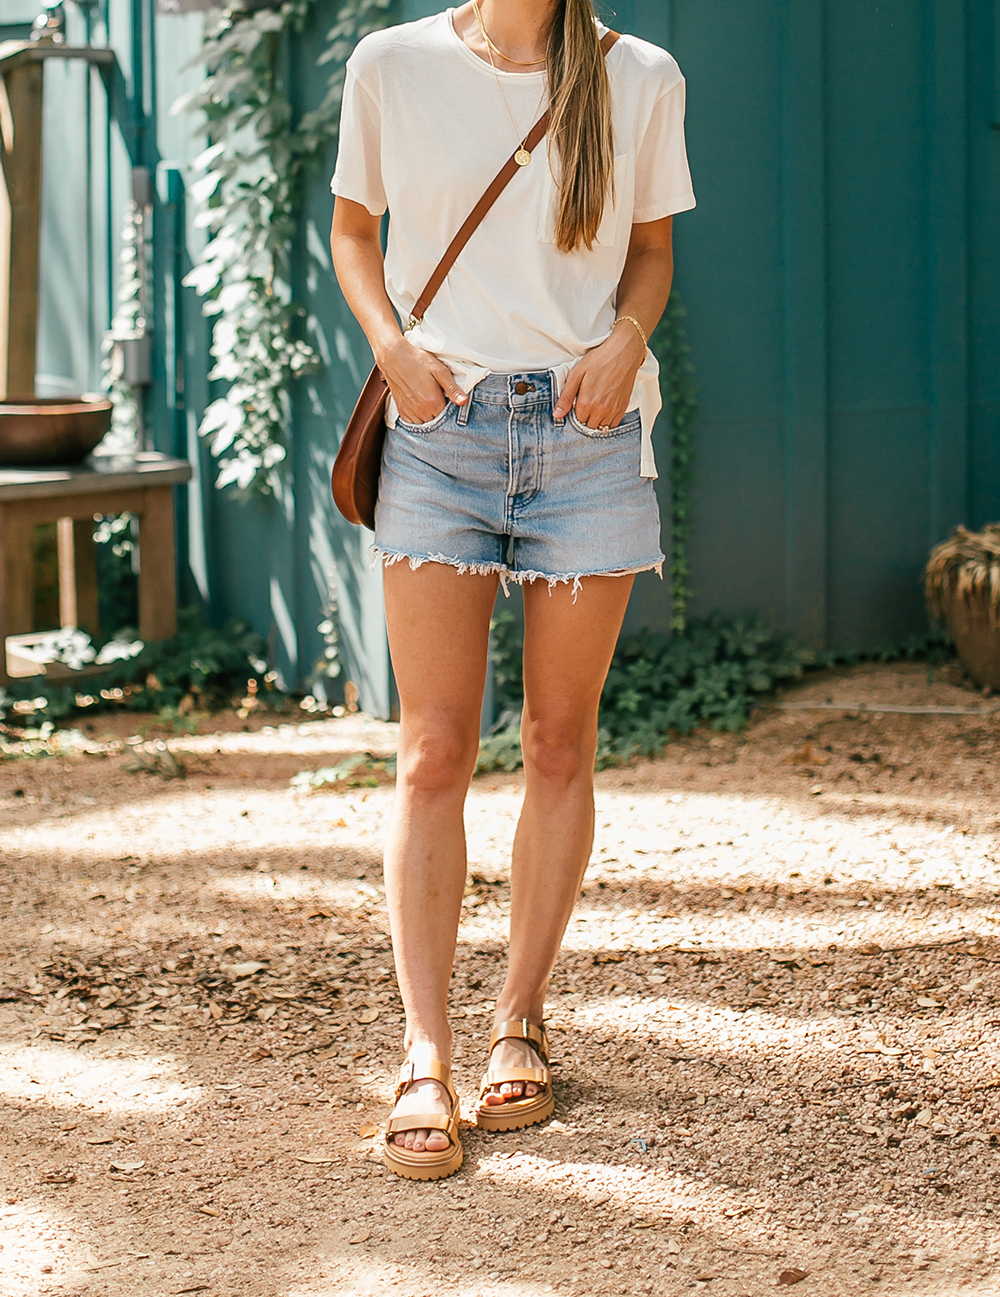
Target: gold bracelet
<point>639,329</point>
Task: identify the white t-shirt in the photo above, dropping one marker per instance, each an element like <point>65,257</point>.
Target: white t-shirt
<point>423,132</point>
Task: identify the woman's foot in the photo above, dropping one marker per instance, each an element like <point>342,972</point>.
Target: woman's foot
<point>512,1054</point>
<point>423,1097</point>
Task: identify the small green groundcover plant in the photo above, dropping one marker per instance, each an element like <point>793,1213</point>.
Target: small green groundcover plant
<point>658,687</point>
<point>199,669</point>
<point>715,673</point>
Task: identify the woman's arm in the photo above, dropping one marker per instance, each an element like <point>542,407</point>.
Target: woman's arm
<point>418,380</point>
<point>600,383</point>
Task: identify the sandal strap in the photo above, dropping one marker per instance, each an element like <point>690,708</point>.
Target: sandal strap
<point>522,1029</point>
<point>419,1121</point>
<point>432,1071</point>
<point>500,1075</point>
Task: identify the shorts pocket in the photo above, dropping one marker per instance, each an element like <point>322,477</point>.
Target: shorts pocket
<point>631,422</point>
<point>430,424</point>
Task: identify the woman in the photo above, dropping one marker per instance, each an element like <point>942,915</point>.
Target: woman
<point>519,450</point>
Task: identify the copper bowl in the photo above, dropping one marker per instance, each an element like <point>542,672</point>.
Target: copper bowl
<point>41,430</point>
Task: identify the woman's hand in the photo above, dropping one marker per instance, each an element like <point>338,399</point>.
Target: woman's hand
<point>420,383</point>
<point>600,384</point>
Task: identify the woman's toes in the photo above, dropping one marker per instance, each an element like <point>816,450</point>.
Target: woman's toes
<point>437,1141</point>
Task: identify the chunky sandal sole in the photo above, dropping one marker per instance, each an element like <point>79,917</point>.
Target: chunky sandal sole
<point>508,1116</point>
<point>423,1170</point>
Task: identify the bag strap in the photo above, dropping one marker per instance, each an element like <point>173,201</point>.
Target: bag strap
<point>496,188</point>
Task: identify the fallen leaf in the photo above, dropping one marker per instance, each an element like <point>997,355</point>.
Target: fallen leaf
<point>317,1161</point>
<point>672,1246</point>
<point>216,1009</point>
<point>923,1118</point>
<point>366,1015</point>
<point>367,1131</point>
<point>235,971</point>
<point>259,1054</point>
<point>321,914</point>
<point>127,1166</point>
<point>928,1002</point>
<point>266,1012</point>
<point>210,1211</point>
<point>100,1139</point>
<point>361,1238</point>
<point>58,1177</point>
<point>792,1276</point>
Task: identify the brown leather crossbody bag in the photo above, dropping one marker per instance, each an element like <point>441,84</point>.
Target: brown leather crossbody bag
<point>358,464</point>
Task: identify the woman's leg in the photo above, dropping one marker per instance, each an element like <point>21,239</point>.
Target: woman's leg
<point>438,623</point>
<point>567,651</point>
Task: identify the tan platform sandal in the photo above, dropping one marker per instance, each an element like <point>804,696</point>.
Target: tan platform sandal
<point>513,1114</point>
<point>424,1165</point>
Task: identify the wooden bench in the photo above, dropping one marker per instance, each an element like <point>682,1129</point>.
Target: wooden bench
<point>70,497</point>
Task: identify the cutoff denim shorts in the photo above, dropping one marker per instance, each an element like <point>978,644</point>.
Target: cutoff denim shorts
<point>499,485</point>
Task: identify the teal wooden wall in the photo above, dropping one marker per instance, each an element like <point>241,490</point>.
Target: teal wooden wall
<point>842,279</point>
<point>841,273</point>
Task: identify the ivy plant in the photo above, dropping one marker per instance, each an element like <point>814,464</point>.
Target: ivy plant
<point>249,186</point>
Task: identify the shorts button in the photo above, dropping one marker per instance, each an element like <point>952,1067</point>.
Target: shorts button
<point>520,388</point>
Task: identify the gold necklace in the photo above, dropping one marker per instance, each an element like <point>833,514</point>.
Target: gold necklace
<point>519,63</point>
<point>521,156</point>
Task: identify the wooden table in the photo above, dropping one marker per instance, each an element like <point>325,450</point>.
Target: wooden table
<point>70,497</point>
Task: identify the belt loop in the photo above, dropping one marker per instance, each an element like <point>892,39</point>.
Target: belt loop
<point>463,410</point>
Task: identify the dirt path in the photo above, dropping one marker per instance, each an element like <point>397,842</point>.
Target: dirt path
<point>776,1022</point>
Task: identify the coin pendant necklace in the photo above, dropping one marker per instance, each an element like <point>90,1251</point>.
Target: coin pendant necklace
<point>522,157</point>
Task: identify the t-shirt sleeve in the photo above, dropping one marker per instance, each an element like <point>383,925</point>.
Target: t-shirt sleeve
<point>358,174</point>
<point>662,178</point>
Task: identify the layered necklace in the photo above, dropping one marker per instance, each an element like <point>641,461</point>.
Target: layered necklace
<point>522,157</point>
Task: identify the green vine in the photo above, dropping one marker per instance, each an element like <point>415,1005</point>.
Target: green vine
<point>680,408</point>
<point>249,192</point>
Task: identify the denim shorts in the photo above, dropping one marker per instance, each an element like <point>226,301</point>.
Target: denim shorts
<point>499,485</point>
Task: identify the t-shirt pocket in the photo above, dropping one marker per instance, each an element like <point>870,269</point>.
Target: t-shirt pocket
<point>614,212</point>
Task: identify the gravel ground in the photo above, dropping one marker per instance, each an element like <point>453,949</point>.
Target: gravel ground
<point>775,1020</point>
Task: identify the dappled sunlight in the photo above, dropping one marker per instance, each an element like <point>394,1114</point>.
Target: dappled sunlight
<point>35,1248</point>
<point>346,894</point>
<point>68,1079</point>
<point>770,1027</point>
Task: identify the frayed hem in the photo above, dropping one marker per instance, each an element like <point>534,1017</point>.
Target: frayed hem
<point>389,559</point>
<point>577,578</point>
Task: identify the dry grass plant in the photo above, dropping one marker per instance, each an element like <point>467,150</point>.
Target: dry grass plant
<point>966,566</point>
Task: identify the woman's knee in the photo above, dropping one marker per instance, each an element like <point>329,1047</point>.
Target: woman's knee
<point>559,751</point>
<point>437,761</point>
